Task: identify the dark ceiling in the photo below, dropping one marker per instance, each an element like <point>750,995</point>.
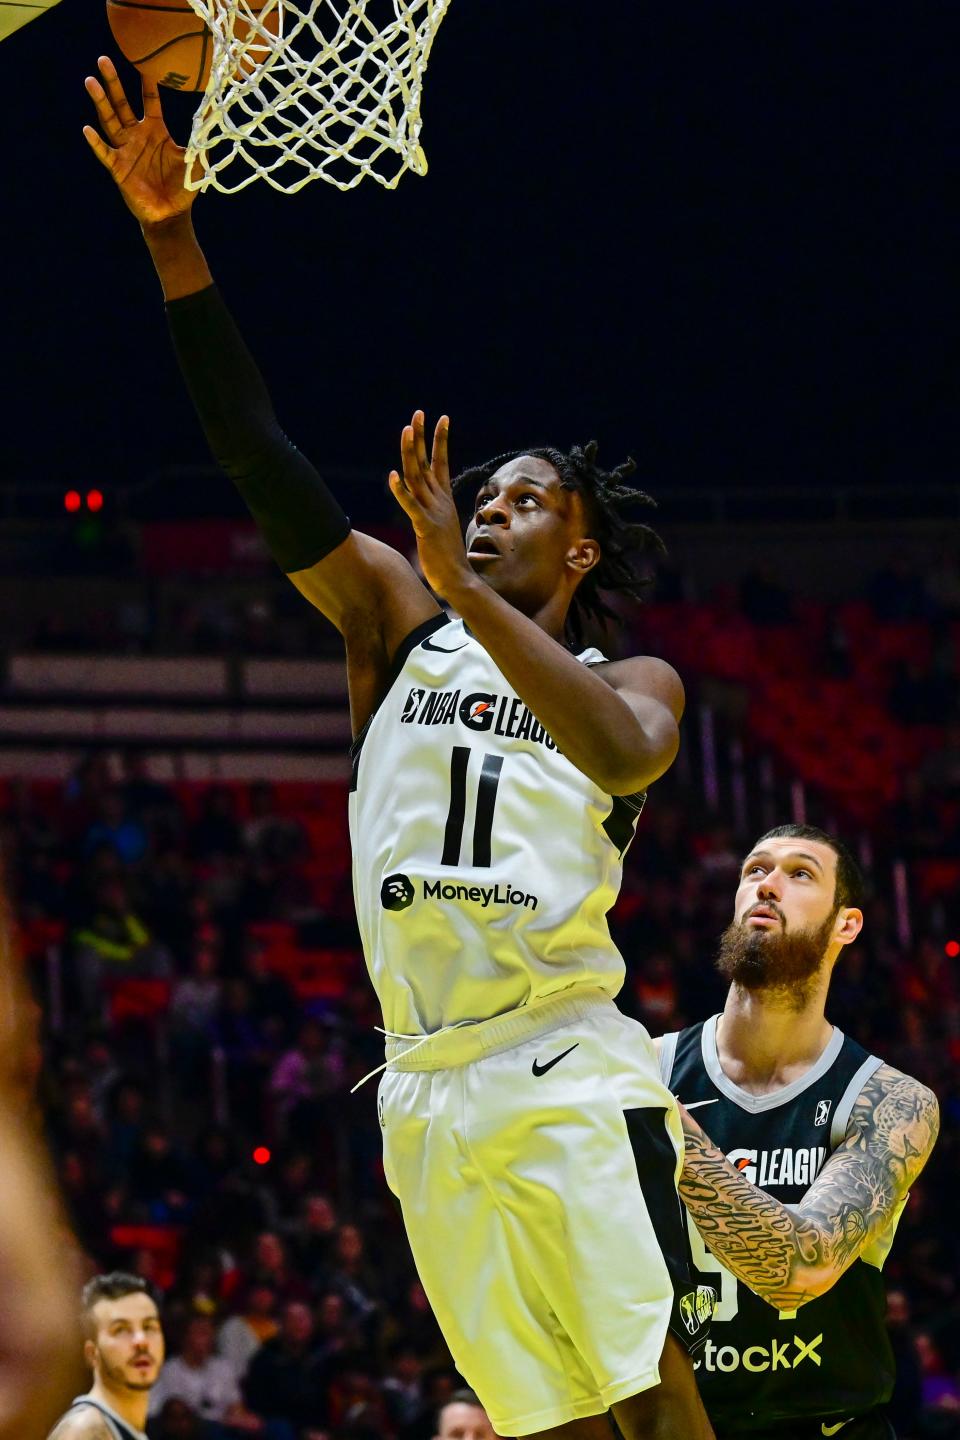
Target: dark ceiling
<point>723,236</point>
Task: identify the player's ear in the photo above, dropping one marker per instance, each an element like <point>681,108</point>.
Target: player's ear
<point>848,925</point>
<point>89,1352</point>
<point>583,555</point>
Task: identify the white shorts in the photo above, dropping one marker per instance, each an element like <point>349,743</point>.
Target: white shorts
<point>536,1157</point>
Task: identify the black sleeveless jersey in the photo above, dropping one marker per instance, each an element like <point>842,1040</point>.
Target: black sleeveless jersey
<point>118,1427</point>
<point>831,1359</point>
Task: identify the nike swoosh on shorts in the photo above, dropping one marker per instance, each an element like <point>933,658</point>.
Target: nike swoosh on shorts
<point>539,1069</point>
<point>826,1429</point>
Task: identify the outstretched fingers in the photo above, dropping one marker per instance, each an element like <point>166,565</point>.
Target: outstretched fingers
<point>116,92</point>
<point>419,439</point>
<point>152,109</point>
<point>441,461</point>
<point>109,122</point>
<point>416,475</point>
<point>104,153</point>
<point>400,492</point>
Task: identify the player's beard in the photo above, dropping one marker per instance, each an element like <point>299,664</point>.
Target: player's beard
<point>117,1377</point>
<point>781,962</point>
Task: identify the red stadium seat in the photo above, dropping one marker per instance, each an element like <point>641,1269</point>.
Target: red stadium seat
<point>136,999</point>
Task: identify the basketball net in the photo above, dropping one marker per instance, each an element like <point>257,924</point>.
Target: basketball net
<point>334,95</point>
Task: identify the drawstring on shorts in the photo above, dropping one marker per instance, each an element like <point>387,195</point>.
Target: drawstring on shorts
<point>418,1040</point>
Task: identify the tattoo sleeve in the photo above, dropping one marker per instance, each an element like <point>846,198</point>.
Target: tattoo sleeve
<point>790,1254</point>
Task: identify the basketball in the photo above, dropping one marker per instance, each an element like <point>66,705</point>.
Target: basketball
<point>168,42</point>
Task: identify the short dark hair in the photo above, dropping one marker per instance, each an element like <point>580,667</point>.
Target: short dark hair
<point>113,1286</point>
<point>463,1396</point>
<point>605,496</point>
<point>849,887</point>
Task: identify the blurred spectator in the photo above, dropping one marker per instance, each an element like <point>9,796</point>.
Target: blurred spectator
<point>158,1178</point>
<point>146,799</point>
<point>293,1180</point>
<point>907,1399</point>
<point>269,1264</point>
<point>655,988</point>
<point>352,1276</point>
<point>241,1336</point>
<point>304,1077</point>
<point>463,1418</point>
<point>115,827</point>
<point>216,832</point>
<point>128,1117</point>
<point>285,1381</point>
<point>176,1421</point>
<point>83,793</point>
<point>201,1284</point>
<point>240,1035</point>
<point>336,1334</point>
<point>196,997</point>
<point>271,996</point>
<point>313,1236</point>
<point>356,1405</point>
<point>266,834</point>
<point>203,1381</point>
<point>114,943</point>
<point>194,1007</point>
<point>214,1161</point>
<point>403,1388</point>
<point>940,1415</point>
<point>418,1325</point>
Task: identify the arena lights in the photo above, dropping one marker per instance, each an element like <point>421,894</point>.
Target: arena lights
<point>73,501</point>
<point>261,1155</point>
<point>952,948</point>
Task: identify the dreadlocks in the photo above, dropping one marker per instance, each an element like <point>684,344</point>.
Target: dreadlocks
<point>605,496</point>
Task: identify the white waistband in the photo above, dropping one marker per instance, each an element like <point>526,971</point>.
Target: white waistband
<point>460,1044</point>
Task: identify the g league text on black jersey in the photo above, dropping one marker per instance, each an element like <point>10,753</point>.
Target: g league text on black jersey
<point>832,1357</point>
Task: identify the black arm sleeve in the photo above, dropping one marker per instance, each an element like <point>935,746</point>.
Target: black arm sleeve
<point>298,517</point>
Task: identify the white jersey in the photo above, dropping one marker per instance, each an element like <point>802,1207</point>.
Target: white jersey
<point>484,862</point>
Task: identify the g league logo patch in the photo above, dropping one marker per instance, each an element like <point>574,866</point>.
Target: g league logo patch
<point>697,1307</point>
<point>822,1114</point>
<point>410,706</point>
<point>396,893</point>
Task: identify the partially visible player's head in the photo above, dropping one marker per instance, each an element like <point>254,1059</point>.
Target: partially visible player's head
<point>797,905</point>
<point>463,1417</point>
<point>123,1336</point>
<point>545,521</point>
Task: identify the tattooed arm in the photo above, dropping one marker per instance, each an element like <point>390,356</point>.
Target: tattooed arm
<point>789,1254</point>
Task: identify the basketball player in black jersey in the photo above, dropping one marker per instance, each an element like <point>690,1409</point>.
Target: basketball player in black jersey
<point>557,1325</point>
<point>123,1345</point>
<point>813,1146</point>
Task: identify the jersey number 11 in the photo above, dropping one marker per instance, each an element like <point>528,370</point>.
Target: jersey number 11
<point>483,815</point>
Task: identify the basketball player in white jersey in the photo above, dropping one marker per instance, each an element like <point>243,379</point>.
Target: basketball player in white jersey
<point>497,780</point>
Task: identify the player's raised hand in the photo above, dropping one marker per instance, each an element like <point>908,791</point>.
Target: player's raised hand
<point>425,494</point>
<point>146,164</point>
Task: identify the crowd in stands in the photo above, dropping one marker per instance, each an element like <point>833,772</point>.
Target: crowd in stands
<point>206,1013</point>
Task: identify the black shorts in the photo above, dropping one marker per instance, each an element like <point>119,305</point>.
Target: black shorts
<point>694,1301</point>
<point>873,1425</point>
